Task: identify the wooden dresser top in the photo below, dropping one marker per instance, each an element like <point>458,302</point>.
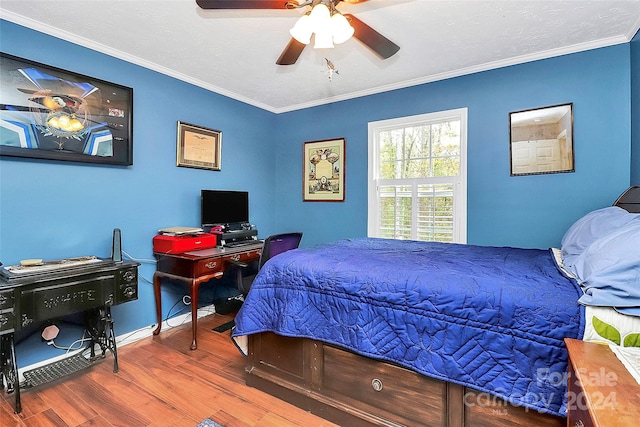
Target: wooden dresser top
<point>611,392</point>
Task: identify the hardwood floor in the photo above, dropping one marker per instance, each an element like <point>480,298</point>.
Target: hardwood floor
<point>160,383</point>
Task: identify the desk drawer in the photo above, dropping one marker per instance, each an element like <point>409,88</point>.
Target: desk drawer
<point>6,322</point>
<point>208,266</point>
<point>192,267</point>
<point>7,299</point>
<point>188,268</point>
<point>253,255</point>
<point>214,265</point>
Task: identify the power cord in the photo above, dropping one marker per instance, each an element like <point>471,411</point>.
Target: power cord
<point>71,347</point>
<point>169,314</point>
<point>140,260</point>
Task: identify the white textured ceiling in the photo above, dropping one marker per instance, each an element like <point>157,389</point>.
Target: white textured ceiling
<point>233,52</point>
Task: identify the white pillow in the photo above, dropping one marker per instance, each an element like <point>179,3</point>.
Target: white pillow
<point>591,227</point>
<point>609,269</point>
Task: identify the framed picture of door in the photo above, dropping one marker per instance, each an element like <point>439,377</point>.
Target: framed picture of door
<point>541,140</point>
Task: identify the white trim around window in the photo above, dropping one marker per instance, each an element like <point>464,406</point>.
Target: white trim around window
<point>411,187</point>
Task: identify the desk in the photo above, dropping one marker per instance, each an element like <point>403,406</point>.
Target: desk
<point>193,269</point>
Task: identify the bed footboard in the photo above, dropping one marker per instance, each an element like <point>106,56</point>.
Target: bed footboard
<point>352,390</point>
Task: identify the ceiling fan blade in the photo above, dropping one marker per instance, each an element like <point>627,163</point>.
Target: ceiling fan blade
<point>375,41</point>
<point>242,4</point>
<point>291,53</point>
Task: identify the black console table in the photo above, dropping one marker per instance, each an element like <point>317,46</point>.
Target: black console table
<point>34,294</point>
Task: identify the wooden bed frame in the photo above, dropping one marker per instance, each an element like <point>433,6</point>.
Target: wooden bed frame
<point>352,390</point>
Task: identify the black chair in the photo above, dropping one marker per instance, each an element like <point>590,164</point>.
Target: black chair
<point>273,245</point>
<point>243,273</point>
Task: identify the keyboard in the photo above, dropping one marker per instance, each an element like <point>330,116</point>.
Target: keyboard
<point>242,243</point>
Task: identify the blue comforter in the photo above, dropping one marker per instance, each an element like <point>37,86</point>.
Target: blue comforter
<point>491,318</point>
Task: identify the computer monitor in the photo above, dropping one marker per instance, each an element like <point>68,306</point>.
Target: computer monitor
<point>220,207</point>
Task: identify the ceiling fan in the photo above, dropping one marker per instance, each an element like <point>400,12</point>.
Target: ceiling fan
<point>379,44</point>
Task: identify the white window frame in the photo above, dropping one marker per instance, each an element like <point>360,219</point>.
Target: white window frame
<point>459,182</point>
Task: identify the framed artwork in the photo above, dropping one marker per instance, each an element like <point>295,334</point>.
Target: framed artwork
<point>198,147</point>
<point>323,175</point>
<point>541,140</point>
<point>53,114</point>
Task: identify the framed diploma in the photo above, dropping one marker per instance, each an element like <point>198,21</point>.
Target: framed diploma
<point>198,147</point>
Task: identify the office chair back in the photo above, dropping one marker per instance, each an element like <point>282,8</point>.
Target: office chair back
<point>277,244</point>
<point>273,245</point>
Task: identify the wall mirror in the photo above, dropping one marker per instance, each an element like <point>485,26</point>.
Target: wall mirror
<point>541,140</point>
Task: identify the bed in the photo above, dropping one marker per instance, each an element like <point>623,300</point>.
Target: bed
<point>386,332</point>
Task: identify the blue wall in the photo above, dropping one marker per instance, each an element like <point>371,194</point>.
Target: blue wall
<point>635,110</point>
<point>52,210</point>
<point>524,211</point>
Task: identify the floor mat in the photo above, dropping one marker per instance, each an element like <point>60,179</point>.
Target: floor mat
<point>225,326</point>
<point>209,423</point>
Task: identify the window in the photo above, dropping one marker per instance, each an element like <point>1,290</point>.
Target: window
<point>418,177</point>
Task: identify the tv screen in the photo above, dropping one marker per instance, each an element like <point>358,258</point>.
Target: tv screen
<point>220,207</point>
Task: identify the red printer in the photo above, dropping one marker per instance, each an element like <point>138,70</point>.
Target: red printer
<point>169,244</point>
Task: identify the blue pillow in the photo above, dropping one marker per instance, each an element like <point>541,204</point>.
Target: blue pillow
<point>609,269</point>
<point>591,227</point>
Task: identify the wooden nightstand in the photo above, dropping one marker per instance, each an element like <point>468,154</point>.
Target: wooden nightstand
<point>602,392</point>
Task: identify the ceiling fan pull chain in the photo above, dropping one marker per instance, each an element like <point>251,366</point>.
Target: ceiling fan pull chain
<point>331,69</point>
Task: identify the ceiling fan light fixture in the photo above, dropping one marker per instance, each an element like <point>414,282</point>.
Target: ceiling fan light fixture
<point>323,39</point>
<point>320,17</point>
<point>302,30</point>
<point>341,29</point>
<point>328,25</point>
